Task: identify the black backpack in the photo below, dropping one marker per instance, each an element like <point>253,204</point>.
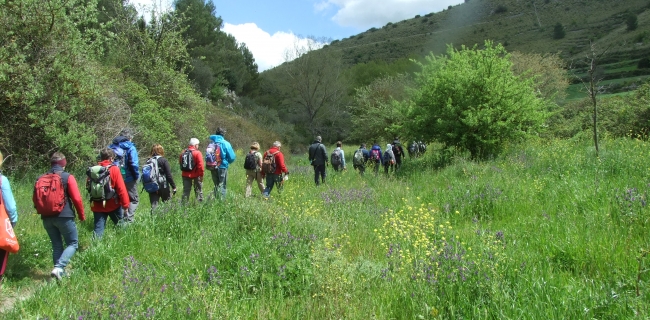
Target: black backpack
<point>250,163</point>
<point>187,161</point>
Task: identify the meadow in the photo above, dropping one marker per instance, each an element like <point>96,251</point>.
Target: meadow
<point>547,230</point>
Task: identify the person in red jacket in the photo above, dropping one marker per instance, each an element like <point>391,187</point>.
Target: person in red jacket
<point>111,208</point>
<point>62,225</point>
<point>192,171</point>
<point>280,168</point>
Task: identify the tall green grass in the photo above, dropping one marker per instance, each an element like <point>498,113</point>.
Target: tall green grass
<point>546,230</point>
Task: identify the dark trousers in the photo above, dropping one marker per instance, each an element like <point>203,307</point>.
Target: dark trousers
<point>319,170</point>
<point>163,195</point>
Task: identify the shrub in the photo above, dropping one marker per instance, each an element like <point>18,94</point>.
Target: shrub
<point>631,22</point>
<point>501,9</point>
<point>460,101</point>
<point>644,63</point>
<point>558,31</point>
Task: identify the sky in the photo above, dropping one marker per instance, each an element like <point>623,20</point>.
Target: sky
<point>271,27</point>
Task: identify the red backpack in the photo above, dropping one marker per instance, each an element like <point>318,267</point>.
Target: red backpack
<point>49,194</point>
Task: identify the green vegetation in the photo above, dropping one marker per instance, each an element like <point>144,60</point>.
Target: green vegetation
<point>477,240</point>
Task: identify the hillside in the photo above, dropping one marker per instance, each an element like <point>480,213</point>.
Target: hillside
<point>526,26</point>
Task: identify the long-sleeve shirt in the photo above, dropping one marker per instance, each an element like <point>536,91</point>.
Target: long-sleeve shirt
<point>121,194</point>
<point>73,196</point>
<point>280,166</point>
<point>166,169</point>
<point>342,156</point>
<point>317,154</point>
<point>8,199</point>
<point>198,161</point>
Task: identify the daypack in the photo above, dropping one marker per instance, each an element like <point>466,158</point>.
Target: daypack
<point>397,150</point>
<point>357,160</point>
<point>120,158</point>
<point>336,157</point>
<point>268,163</point>
<point>187,160</point>
<point>375,155</point>
<point>8,240</point>
<point>152,180</point>
<point>99,184</point>
<point>49,194</point>
<point>250,163</point>
<point>213,156</point>
<point>387,158</point>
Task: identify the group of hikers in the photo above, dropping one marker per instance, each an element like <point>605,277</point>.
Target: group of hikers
<point>390,159</point>
<point>112,188</point>
<point>112,183</point>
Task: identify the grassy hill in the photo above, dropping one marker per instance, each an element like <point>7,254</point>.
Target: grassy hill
<point>526,26</point>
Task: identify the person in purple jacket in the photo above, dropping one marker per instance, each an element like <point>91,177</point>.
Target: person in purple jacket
<point>375,157</point>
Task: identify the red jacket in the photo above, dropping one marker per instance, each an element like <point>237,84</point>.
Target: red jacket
<point>198,160</point>
<point>121,195</point>
<point>75,197</point>
<point>280,167</point>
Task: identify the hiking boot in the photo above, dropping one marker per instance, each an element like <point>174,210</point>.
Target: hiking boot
<point>57,273</point>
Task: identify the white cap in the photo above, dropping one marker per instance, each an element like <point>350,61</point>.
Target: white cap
<point>194,141</point>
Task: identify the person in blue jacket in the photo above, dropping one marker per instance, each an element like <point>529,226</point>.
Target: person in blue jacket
<point>220,175</point>
<point>9,203</point>
<point>126,158</point>
<point>376,157</point>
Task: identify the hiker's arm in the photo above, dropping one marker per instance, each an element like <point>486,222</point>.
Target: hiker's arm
<point>168,173</point>
<point>231,154</point>
<point>134,163</point>
<point>280,159</point>
<point>120,188</point>
<point>75,197</point>
<point>8,200</point>
<point>198,159</point>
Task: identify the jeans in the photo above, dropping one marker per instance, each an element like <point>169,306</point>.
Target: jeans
<point>220,179</point>
<point>252,175</point>
<point>163,195</point>
<point>58,229</point>
<point>187,187</point>
<point>319,170</point>
<point>132,189</point>
<point>100,221</point>
<point>271,179</point>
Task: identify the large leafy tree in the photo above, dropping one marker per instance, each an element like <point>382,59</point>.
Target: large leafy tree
<point>472,99</point>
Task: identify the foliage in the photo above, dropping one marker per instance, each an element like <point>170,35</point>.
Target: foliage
<point>558,31</point>
<point>472,100</point>
<point>547,71</point>
<point>631,22</point>
<point>377,112</point>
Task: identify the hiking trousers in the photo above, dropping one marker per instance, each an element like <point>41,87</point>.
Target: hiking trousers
<point>252,175</point>
<point>187,187</point>
<point>319,171</point>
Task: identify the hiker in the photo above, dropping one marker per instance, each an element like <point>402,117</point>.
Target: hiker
<point>58,220</point>
<point>126,158</point>
<point>398,151</point>
<point>318,159</point>
<point>9,204</point>
<point>376,157</point>
<point>389,159</point>
<point>191,161</point>
<point>360,158</point>
<point>165,184</point>
<point>422,147</point>
<point>338,157</point>
<point>253,166</point>
<point>273,167</point>
<point>413,149</point>
<point>108,193</point>
<point>218,166</point>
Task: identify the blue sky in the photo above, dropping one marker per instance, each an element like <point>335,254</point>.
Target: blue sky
<point>271,27</point>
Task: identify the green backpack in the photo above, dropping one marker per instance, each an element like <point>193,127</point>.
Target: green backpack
<point>98,184</point>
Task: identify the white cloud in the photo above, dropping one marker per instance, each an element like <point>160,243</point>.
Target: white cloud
<point>269,50</point>
<point>363,14</point>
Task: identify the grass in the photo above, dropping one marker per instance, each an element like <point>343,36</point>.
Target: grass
<point>546,230</point>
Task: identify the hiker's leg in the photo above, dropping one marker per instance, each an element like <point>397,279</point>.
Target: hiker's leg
<point>132,189</point>
<point>315,176</point>
<point>260,181</point>
<point>55,239</point>
<point>223,182</point>
<point>154,198</point>
<point>198,189</point>
<point>187,187</point>
<point>100,223</point>
<point>250,176</point>
<point>68,230</point>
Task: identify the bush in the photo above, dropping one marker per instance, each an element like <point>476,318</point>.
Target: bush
<point>460,101</point>
<point>501,9</point>
<point>644,63</point>
<point>632,22</point>
<point>558,31</point>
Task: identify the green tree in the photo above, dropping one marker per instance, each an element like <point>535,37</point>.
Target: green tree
<point>471,99</point>
<point>558,31</point>
<point>378,109</point>
<point>631,21</point>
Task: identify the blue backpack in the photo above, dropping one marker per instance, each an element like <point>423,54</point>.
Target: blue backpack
<point>152,180</point>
